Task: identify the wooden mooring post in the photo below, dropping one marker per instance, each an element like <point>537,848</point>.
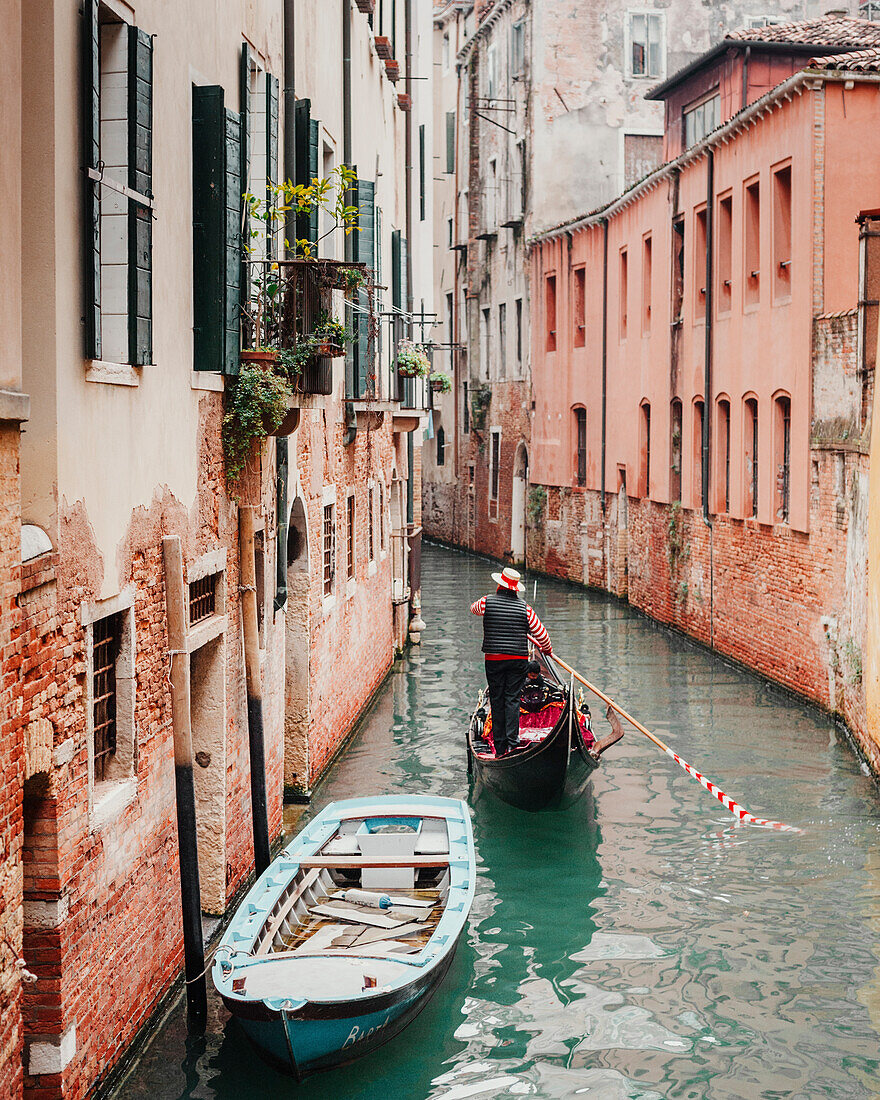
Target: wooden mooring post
<point>190,893</point>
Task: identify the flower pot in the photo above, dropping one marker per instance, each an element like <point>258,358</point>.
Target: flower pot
<point>264,357</point>
<point>383,46</point>
<point>328,350</point>
<point>392,71</point>
<point>439,387</point>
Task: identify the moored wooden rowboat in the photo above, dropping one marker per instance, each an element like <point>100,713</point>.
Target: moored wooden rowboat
<point>343,939</point>
<point>551,768</point>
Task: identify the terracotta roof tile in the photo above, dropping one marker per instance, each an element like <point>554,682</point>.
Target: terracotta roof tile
<point>860,61</point>
<point>830,30</point>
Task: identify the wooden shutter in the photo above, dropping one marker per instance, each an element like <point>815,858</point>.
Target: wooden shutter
<point>216,232</point>
<point>422,173</point>
<point>307,132</point>
<point>91,106</point>
<point>234,252</point>
<point>140,179</point>
<point>450,142</point>
<point>365,252</point>
<point>404,274</point>
<point>271,152</point>
<point>396,297</point>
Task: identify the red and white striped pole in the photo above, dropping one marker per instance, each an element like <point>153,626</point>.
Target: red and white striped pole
<point>726,801</point>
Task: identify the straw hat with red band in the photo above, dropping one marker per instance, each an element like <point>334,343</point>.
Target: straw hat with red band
<point>509,578</point>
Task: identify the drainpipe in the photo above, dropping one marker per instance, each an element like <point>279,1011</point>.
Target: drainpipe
<point>745,90</point>
<point>409,164</point>
<point>604,354</point>
<point>350,416</point>
<point>282,452</point>
<point>707,381</point>
<point>187,844</point>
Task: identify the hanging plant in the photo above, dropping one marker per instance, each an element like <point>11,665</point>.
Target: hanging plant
<point>255,406</point>
<point>481,397</point>
<point>440,381</point>
<point>412,360</point>
<point>351,280</point>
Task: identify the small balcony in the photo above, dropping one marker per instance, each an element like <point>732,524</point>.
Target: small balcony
<point>284,308</point>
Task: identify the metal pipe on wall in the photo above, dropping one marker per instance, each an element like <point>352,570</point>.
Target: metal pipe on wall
<point>187,842</point>
<point>604,356</point>
<point>707,380</point>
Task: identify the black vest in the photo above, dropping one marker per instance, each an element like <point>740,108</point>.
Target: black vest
<point>506,625</point>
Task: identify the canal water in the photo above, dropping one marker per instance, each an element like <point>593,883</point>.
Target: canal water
<point>642,944</point>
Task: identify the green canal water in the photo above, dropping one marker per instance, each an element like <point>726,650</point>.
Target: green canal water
<point>642,944</point>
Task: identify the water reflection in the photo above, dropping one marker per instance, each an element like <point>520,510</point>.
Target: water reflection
<point>640,945</point>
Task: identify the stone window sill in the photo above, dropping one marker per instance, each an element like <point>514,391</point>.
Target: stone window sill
<point>113,374</point>
<point>207,380</point>
<point>111,798</point>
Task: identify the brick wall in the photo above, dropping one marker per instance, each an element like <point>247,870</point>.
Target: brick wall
<point>788,604</point>
<point>11,752</point>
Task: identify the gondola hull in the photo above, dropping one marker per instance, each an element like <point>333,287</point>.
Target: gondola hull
<point>549,775</point>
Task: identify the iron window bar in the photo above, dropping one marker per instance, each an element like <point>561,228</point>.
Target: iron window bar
<point>202,599</point>
<point>105,650</point>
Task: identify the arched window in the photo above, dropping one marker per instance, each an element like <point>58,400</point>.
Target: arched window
<point>750,451</point>
<point>441,447</point>
<point>697,453</point>
<point>645,450</point>
<point>782,455</point>
<point>722,455</point>
<point>580,455</point>
<point>675,450</point>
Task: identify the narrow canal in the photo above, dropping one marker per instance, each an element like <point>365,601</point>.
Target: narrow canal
<point>641,944</point>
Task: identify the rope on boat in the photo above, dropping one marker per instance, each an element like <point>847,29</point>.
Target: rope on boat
<point>726,801</point>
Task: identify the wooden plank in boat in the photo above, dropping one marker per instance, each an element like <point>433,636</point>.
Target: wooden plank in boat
<point>345,862</point>
<point>374,935</point>
<point>356,916</point>
<point>309,880</point>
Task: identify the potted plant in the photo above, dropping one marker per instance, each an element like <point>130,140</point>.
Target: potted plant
<point>412,362</point>
<point>352,279</point>
<point>255,406</point>
<point>329,336</point>
<point>440,381</point>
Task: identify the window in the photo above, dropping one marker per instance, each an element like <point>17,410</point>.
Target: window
<point>869,298</point>
<point>675,420</point>
<point>449,231</point>
<point>441,447</point>
<point>782,451</point>
<point>329,549</point>
<point>580,458</point>
<point>647,280</point>
<point>202,598</point>
<point>106,641</point>
<point>381,517</point>
<point>700,264</point>
<point>492,196</point>
<point>677,268</point>
<point>492,71</point>
<point>624,292</point>
<point>450,327</point>
<point>697,454</point>
<point>502,339</point>
<point>782,234</point>
<point>870,10</point>
<point>701,119</point>
<point>352,537</point>
<point>517,48</point>
<point>550,312</point>
<point>725,253</point>
<point>422,195</point>
<point>495,465</point>
<point>750,439</point>
<point>118,72</point>
<point>446,52</point>
<point>519,347</point>
<point>722,456</point>
<point>646,30</point>
<point>485,336</point>
<point>752,243</point>
<point>450,142</point>
<point>645,450</point>
<point>466,409</point>
<point>579,292</point>
<point>371,519</point>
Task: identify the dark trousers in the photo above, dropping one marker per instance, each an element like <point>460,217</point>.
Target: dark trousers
<point>505,679</point>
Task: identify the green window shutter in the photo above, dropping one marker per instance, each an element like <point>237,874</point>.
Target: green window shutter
<point>404,274</point>
<point>271,150</point>
<point>216,232</point>
<point>140,179</point>
<point>244,99</point>
<point>234,252</point>
<point>91,105</point>
<point>307,132</point>
<point>365,252</point>
<point>422,173</point>
<point>450,142</point>
<point>396,238</point>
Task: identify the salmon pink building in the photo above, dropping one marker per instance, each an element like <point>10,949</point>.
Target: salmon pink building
<point>703,353</point>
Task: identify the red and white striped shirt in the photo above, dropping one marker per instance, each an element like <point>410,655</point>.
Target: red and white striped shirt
<point>537,631</point>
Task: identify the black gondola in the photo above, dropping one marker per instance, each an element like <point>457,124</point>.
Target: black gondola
<point>550,770</point>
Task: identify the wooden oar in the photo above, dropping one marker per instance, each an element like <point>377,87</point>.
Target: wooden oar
<point>726,801</point>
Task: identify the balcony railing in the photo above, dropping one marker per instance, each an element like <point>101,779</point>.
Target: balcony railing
<point>282,305</point>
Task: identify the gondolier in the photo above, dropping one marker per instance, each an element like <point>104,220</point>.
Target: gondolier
<point>508,624</point>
